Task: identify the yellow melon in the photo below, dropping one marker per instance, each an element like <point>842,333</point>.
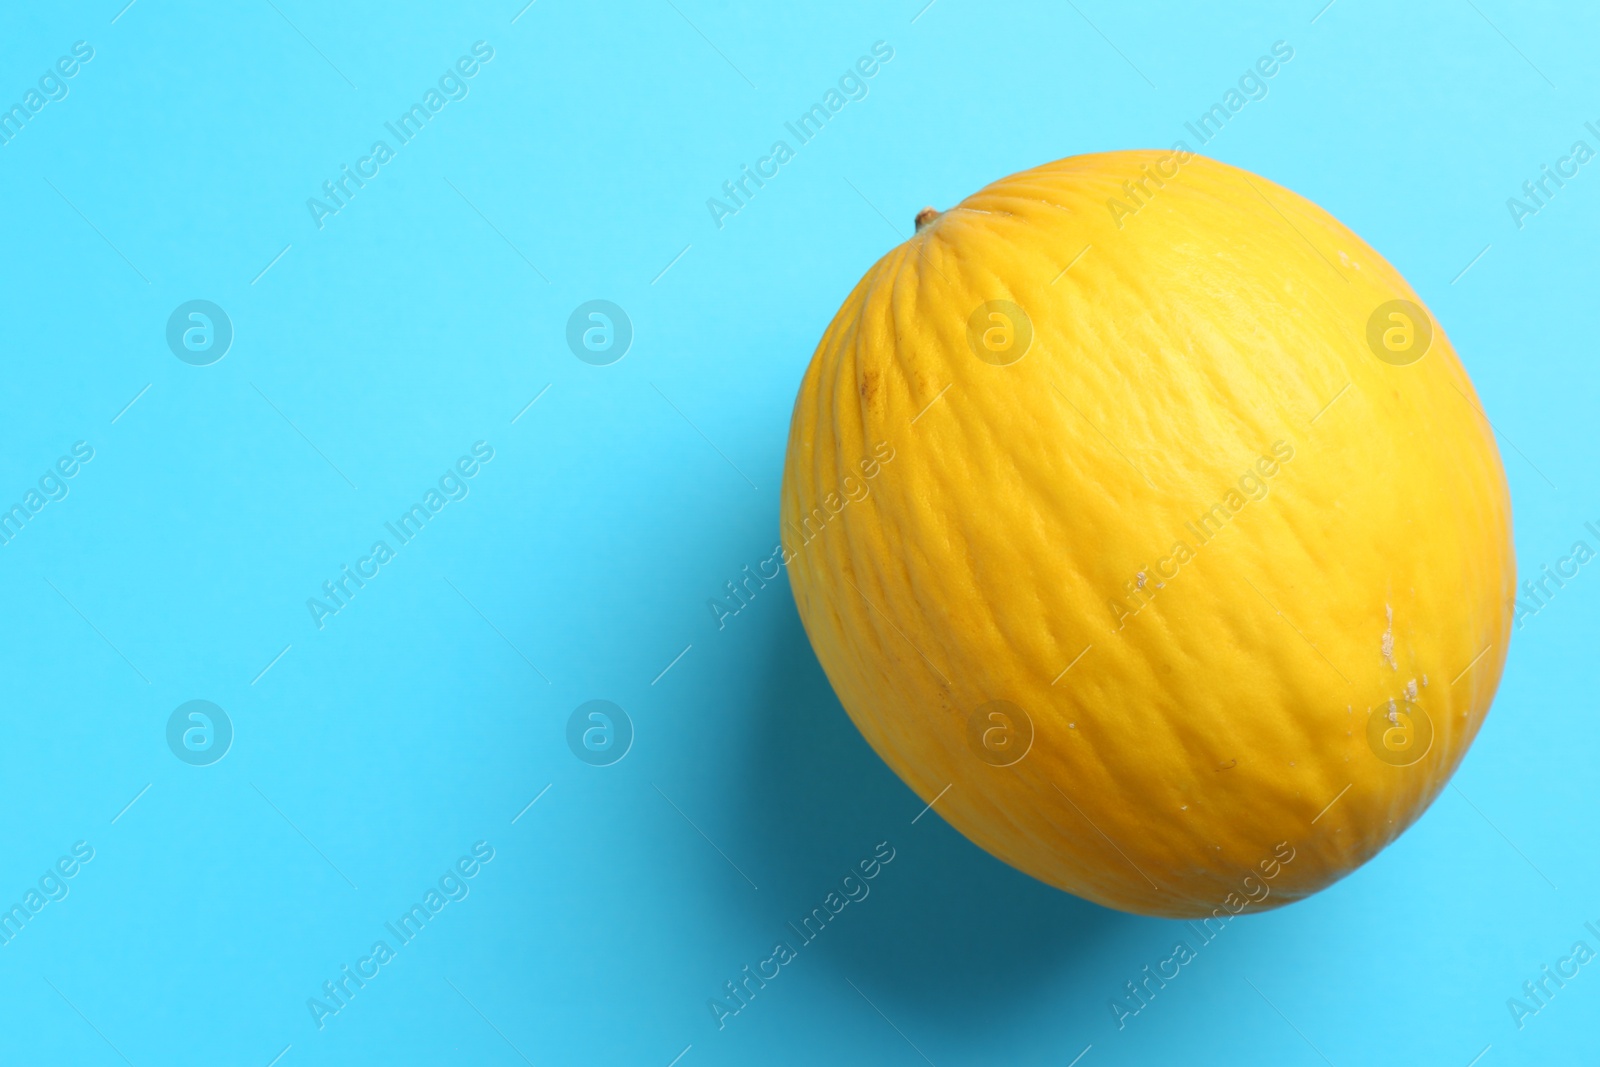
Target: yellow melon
<point>1147,525</point>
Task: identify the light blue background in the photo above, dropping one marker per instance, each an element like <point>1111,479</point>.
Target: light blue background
<point>376,751</point>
